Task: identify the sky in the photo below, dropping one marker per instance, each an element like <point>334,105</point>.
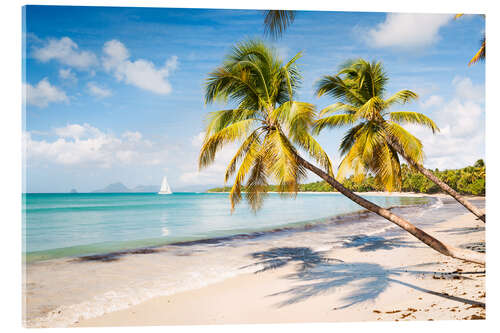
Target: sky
<point>116,94</point>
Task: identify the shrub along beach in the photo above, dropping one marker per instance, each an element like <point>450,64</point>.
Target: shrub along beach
<point>468,180</point>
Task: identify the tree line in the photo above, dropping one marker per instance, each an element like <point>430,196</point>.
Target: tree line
<point>469,180</point>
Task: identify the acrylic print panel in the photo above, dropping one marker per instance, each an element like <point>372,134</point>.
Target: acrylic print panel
<point>251,166</point>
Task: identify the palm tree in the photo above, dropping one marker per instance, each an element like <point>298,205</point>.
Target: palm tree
<point>481,53</point>
<point>376,136</point>
<point>273,130</point>
<point>277,21</point>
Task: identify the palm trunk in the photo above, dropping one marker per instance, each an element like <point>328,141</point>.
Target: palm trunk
<point>454,252</point>
<point>474,210</point>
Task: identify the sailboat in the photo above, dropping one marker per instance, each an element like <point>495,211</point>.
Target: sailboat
<point>165,188</point>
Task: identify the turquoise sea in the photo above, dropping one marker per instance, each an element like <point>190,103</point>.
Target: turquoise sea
<point>60,225</point>
<point>90,254</point>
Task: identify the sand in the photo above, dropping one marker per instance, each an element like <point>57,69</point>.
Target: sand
<point>401,281</point>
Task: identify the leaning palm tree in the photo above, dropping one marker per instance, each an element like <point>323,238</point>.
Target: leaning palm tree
<point>273,130</point>
<point>376,137</point>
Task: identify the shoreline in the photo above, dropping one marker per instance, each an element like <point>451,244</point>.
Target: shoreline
<point>238,234</point>
<point>402,282</point>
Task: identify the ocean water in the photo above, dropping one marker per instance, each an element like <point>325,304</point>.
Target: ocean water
<point>89,254</point>
<point>61,225</point>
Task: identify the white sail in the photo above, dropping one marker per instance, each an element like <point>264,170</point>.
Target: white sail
<point>165,188</point>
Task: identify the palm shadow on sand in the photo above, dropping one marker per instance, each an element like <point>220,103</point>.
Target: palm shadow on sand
<point>366,243</point>
<point>321,275</point>
<point>463,231</point>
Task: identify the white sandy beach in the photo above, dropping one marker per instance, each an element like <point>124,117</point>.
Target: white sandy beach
<point>392,283</point>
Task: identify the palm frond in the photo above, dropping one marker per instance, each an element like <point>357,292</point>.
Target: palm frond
<point>283,163</point>
<point>412,146</point>
<point>351,163</point>
<point>337,88</point>
<point>338,120</point>
<point>481,54</point>
<point>370,110</point>
<point>350,138</point>
<point>339,106</point>
<point>218,120</point>
<point>226,135</point>
<point>224,84</point>
<point>277,21</point>
<point>257,183</point>
<point>292,75</point>
<point>249,161</point>
<point>387,168</point>
<point>406,117</point>
<point>314,149</point>
<point>401,97</point>
<point>294,115</point>
<point>248,147</point>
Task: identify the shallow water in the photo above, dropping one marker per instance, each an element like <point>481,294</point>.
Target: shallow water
<point>61,291</point>
<point>60,225</point>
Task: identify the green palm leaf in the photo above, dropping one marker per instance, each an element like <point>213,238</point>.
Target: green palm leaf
<point>405,117</point>
<point>226,135</point>
<point>401,97</point>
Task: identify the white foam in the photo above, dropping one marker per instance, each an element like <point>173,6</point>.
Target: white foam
<point>436,205</point>
<point>114,300</point>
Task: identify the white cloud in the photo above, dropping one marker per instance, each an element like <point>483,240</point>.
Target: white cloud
<point>97,91</point>
<point>466,90</point>
<point>407,30</point>
<point>197,140</point>
<point>85,145</point>
<point>432,101</point>
<point>65,51</point>
<point>76,131</point>
<point>67,74</point>
<point>132,136</point>
<point>140,73</point>
<point>43,93</point>
<point>461,139</point>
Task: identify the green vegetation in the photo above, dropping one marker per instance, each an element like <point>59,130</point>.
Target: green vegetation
<point>468,180</point>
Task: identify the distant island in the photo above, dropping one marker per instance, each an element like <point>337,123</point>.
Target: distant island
<point>468,180</point>
<point>120,188</point>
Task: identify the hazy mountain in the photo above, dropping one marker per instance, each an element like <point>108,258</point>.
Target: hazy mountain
<point>113,188</point>
<point>120,188</point>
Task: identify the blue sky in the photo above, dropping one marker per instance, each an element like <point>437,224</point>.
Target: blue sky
<point>116,94</point>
